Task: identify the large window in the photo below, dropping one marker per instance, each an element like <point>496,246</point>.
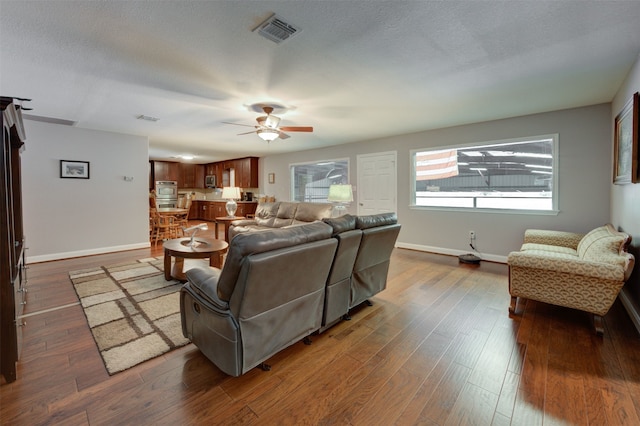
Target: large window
<point>513,175</point>
<point>310,181</point>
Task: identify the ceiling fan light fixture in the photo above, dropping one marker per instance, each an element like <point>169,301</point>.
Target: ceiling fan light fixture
<point>272,121</point>
<point>268,134</point>
<point>269,121</point>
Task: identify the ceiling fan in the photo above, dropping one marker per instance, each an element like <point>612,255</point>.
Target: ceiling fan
<point>268,128</point>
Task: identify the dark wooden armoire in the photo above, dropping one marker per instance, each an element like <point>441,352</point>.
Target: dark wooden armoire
<point>12,264</point>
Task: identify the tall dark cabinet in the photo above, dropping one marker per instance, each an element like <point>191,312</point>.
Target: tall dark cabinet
<point>12,264</point>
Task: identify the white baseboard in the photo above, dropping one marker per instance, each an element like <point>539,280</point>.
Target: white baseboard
<point>81,253</point>
<point>632,308</point>
<point>452,252</point>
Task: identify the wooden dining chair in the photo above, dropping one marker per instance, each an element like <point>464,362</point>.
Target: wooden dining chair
<point>152,200</point>
<point>165,227</point>
<point>152,218</point>
<point>183,218</point>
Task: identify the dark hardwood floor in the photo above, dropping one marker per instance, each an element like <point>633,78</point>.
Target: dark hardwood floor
<point>437,347</point>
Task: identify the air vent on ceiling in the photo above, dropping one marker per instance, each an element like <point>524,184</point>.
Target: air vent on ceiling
<point>147,118</point>
<point>276,29</point>
<point>51,120</point>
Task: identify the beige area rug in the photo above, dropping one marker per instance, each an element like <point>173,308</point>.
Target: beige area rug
<point>133,312</point>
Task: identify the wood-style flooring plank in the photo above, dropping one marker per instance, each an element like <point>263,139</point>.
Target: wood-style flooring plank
<point>474,406</point>
<point>437,347</point>
<point>439,406</point>
<point>393,396</point>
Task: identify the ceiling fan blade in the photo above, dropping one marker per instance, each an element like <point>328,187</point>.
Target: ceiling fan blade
<point>296,128</point>
<point>246,133</point>
<point>284,135</point>
<point>238,124</point>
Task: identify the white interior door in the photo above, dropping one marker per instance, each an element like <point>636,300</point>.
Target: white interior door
<point>377,183</point>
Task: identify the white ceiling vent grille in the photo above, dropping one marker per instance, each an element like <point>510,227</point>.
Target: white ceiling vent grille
<point>276,29</point>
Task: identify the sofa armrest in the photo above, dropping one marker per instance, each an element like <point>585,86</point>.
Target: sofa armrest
<point>244,222</point>
<point>604,271</point>
<point>205,283</point>
<point>553,238</point>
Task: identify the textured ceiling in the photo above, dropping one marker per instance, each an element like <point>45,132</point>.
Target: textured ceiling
<point>357,70</point>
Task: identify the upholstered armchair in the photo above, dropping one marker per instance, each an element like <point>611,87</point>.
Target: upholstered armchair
<point>584,272</point>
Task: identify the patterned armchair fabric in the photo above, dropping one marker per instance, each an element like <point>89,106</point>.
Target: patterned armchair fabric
<point>584,272</point>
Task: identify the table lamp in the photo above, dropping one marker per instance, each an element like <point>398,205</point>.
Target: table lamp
<point>340,194</point>
<point>231,194</point>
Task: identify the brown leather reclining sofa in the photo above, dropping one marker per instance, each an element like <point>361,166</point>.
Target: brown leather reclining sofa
<point>279,215</point>
<point>280,285</point>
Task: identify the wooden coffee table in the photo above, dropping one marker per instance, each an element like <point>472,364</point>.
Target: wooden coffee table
<point>180,249</point>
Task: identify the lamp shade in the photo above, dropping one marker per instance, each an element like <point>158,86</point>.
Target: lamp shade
<point>231,193</point>
<point>268,134</point>
<point>340,194</point>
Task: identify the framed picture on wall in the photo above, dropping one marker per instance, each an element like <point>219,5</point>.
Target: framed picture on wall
<point>625,143</point>
<point>74,169</point>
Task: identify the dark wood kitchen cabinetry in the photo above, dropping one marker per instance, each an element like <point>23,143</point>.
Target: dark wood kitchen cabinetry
<point>247,172</point>
<point>246,208</point>
<point>13,277</point>
<point>213,209</point>
<point>193,175</point>
<point>199,182</point>
<point>165,170</point>
<point>244,169</point>
<point>209,210</point>
<point>214,169</point>
<point>190,175</point>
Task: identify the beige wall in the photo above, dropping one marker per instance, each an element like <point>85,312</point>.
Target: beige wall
<point>625,200</point>
<point>584,180</point>
<point>78,217</point>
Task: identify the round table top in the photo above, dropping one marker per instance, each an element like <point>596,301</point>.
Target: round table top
<point>170,211</point>
<point>204,246</point>
<point>229,218</point>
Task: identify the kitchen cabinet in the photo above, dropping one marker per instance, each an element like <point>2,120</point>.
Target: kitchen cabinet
<point>247,172</point>
<point>215,169</point>
<point>191,175</point>
<point>199,182</point>
<point>194,210</point>
<point>217,209</point>
<point>209,210</point>
<point>166,170</point>
<point>13,278</point>
<point>247,208</point>
<point>187,175</point>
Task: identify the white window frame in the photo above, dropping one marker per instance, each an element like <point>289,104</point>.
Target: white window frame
<point>320,163</point>
<point>468,202</point>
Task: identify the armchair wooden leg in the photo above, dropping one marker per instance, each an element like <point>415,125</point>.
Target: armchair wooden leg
<point>513,305</point>
<point>598,324</point>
